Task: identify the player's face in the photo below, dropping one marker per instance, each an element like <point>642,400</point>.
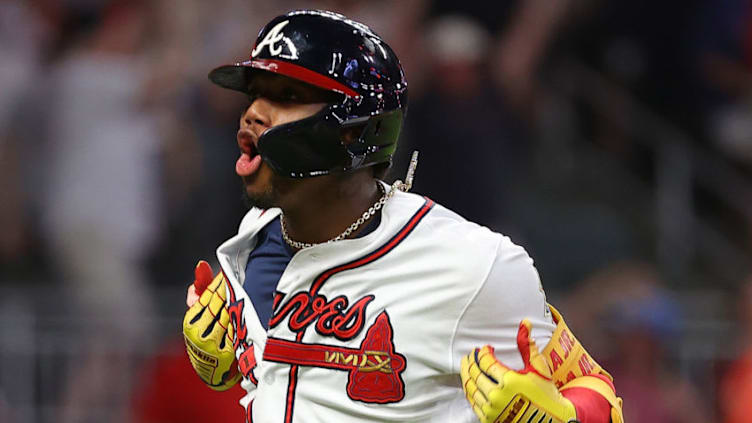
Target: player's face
<point>278,100</point>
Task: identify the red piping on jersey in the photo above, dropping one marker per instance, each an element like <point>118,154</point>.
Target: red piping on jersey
<point>291,385</point>
<point>249,412</point>
<point>323,277</point>
<point>300,73</point>
<point>379,252</point>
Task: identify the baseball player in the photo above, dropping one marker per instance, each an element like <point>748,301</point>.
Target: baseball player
<point>345,299</point>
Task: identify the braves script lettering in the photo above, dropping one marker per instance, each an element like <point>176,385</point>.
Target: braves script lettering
<point>235,310</point>
<point>243,349</point>
<point>332,318</point>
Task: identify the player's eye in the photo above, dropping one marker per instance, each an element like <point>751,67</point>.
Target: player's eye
<point>289,95</point>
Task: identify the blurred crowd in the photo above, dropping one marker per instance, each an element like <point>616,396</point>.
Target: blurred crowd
<point>118,176</point>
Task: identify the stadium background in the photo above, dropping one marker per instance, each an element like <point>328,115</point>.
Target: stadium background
<point>612,139</point>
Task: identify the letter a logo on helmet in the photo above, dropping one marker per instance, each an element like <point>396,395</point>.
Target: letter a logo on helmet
<point>274,36</point>
<point>334,53</point>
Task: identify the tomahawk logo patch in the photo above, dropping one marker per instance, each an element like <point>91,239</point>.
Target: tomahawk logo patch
<point>277,43</point>
<point>379,380</point>
<point>374,369</point>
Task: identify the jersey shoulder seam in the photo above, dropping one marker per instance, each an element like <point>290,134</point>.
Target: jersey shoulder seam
<point>478,288</point>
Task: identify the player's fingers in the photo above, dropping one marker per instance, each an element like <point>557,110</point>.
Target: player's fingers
<point>216,311</point>
<point>473,370</point>
<point>467,380</point>
<point>216,282</point>
<point>198,318</point>
<point>222,289</point>
<point>464,368</point>
<point>531,356</point>
<point>219,329</point>
<point>202,276</point>
<point>469,373</point>
<point>488,364</point>
<point>205,297</point>
<point>190,316</point>
<point>191,297</point>
<point>208,322</point>
<point>468,384</point>
<point>525,341</point>
<point>230,331</point>
<point>481,402</point>
<point>216,304</point>
<point>486,385</point>
<point>470,388</point>
<point>475,374</point>
<point>224,318</point>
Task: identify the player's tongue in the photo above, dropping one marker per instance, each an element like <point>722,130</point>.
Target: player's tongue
<point>247,166</point>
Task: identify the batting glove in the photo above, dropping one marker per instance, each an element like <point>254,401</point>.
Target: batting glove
<point>207,332</point>
<point>500,394</point>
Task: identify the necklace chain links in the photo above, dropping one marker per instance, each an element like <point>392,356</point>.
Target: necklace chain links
<point>397,185</point>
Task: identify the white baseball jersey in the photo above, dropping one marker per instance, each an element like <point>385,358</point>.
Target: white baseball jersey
<point>373,329</point>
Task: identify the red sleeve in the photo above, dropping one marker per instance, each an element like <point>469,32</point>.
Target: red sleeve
<point>591,407</point>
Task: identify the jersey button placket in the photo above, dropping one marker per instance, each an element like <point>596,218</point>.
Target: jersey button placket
<point>269,378</point>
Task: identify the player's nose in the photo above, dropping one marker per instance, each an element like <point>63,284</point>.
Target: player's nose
<point>257,116</point>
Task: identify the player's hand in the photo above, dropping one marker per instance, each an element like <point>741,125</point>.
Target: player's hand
<point>499,394</point>
<point>208,332</point>
<point>203,276</point>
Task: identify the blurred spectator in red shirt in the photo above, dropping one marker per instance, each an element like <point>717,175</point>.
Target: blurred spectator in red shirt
<point>170,392</point>
<point>736,386</point>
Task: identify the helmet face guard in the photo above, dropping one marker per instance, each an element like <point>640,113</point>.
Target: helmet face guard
<point>333,53</point>
<point>315,145</point>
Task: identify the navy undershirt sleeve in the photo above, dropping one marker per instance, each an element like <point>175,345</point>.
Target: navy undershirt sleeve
<point>268,261</point>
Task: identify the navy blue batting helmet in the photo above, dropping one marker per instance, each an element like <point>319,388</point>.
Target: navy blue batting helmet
<point>331,52</point>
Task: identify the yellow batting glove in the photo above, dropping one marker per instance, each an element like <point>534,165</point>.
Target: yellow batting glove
<point>499,394</point>
<point>208,333</point>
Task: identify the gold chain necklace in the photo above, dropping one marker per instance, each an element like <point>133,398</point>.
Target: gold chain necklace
<point>397,185</point>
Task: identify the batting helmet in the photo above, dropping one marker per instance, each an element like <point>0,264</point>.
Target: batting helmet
<point>334,53</point>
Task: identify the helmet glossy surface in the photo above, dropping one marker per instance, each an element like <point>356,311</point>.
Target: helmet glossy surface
<point>334,53</point>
